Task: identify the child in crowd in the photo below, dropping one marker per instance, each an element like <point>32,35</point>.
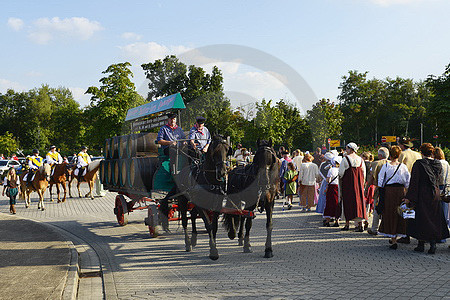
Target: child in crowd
<point>291,177</point>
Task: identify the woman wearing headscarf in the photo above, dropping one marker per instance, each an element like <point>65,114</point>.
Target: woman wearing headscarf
<point>323,171</point>
<point>351,172</point>
<point>423,195</point>
<point>444,181</point>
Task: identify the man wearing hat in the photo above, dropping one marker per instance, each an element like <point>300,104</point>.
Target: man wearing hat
<point>82,162</point>
<point>408,156</point>
<point>34,163</point>
<point>200,138</point>
<point>170,133</point>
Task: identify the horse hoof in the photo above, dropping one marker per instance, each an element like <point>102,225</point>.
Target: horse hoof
<point>43,209</point>
<point>188,248</point>
<point>241,242</point>
<point>194,240</point>
<point>269,254</point>
<point>231,235</point>
<point>248,250</point>
<point>58,201</point>
<point>214,257</point>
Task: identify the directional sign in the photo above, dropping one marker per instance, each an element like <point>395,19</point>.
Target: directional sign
<point>329,141</point>
<point>335,143</point>
<point>389,139</point>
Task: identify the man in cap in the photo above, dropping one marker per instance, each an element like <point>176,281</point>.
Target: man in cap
<point>170,133</point>
<point>34,163</point>
<point>200,138</point>
<point>83,160</point>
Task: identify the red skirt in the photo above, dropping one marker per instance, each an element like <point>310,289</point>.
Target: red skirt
<point>332,206</point>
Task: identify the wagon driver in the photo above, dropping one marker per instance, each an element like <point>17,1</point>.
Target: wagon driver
<point>34,163</point>
<point>200,138</point>
<point>168,135</point>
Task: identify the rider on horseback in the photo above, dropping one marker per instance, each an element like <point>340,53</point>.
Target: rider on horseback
<point>53,158</point>
<point>34,163</point>
<point>83,161</point>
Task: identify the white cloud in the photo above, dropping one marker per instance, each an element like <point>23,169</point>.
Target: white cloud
<point>6,84</point>
<point>44,29</point>
<point>33,74</point>
<point>15,23</point>
<point>393,2</point>
<point>147,52</point>
<point>80,96</point>
<point>131,36</point>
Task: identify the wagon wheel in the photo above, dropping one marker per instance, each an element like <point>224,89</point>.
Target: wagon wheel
<point>122,219</point>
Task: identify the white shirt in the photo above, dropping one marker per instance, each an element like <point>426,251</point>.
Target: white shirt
<point>333,173</point>
<point>51,161</point>
<point>355,162</point>
<point>238,154</point>
<point>298,161</point>
<point>308,173</point>
<point>445,172</point>
<point>387,170</point>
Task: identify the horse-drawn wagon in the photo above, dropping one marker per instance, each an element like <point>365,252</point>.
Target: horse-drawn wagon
<point>137,168</point>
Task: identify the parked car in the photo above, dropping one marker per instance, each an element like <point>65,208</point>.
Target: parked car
<point>5,164</point>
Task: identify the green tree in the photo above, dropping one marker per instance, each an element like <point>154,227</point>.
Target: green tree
<point>297,132</point>
<point>325,119</point>
<point>8,144</point>
<point>110,103</point>
<point>439,106</point>
<point>202,92</point>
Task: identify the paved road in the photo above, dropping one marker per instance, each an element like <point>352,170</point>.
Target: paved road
<point>310,261</point>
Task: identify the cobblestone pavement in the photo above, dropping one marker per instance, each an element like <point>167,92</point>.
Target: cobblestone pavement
<point>310,262</point>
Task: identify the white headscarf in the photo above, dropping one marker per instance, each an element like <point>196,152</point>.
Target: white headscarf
<point>353,146</point>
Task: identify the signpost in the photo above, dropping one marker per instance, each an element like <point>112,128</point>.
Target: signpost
<point>388,139</point>
<point>335,143</point>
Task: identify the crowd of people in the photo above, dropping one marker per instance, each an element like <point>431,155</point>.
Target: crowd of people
<point>401,190</point>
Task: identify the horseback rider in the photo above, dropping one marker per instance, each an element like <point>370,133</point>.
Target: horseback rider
<point>83,161</point>
<point>34,163</point>
<point>200,138</point>
<point>53,157</point>
<point>168,135</point>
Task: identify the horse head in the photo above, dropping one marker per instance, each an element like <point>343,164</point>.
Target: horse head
<point>216,157</point>
<point>46,171</point>
<point>266,161</point>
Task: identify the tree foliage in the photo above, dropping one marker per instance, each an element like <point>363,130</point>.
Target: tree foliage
<point>325,119</point>
<point>439,107</point>
<point>8,144</point>
<point>110,103</point>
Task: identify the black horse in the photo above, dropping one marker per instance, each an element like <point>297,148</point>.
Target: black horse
<point>253,186</point>
<point>204,185</point>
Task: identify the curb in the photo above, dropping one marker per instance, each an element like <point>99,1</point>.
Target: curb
<point>71,287</point>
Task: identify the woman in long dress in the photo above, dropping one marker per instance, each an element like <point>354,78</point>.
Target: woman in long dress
<point>352,171</point>
<point>394,178</point>
<point>423,195</point>
<point>332,210</point>
<point>323,171</point>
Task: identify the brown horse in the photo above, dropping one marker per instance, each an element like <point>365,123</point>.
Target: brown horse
<point>59,177</point>
<point>39,185</point>
<point>89,177</point>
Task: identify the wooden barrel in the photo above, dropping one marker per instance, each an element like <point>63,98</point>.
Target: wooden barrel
<point>140,173</point>
<point>123,178</point>
<point>122,146</point>
<point>114,153</point>
<point>116,173</point>
<point>142,144</point>
<point>107,148</point>
<point>110,176</point>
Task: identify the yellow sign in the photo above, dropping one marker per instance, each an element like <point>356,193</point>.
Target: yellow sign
<point>335,143</point>
<point>389,138</point>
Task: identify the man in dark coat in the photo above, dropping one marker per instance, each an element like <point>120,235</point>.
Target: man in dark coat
<point>423,194</point>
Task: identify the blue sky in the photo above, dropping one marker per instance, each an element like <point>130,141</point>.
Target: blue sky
<point>70,44</point>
